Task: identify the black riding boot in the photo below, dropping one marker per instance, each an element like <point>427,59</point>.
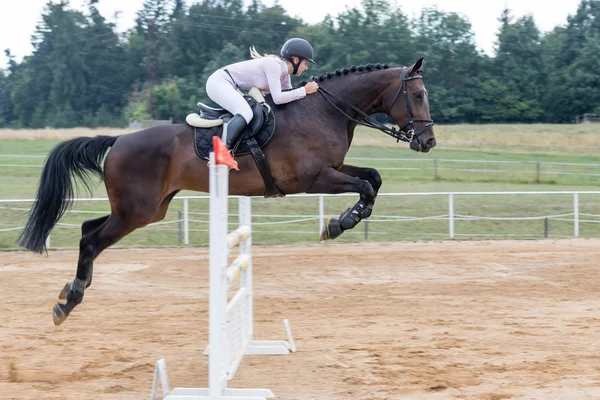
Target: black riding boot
<point>235,129</point>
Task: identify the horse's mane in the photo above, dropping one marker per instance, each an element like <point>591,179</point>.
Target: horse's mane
<point>346,71</point>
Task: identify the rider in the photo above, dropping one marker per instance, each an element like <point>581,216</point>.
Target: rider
<point>267,73</point>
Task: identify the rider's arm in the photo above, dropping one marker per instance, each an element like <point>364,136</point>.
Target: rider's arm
<point>273,72</point>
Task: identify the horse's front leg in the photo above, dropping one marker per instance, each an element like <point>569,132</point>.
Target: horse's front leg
<point>369,174</point>
<point>332,181</point>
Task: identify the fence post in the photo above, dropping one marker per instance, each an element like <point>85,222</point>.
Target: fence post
<point>179,227</point>
<point>186,222</point>
<point>576,214</point>
<point>321,213</point>
<point>451,214</point>
<point>435,170</point>
<point>537,172</point>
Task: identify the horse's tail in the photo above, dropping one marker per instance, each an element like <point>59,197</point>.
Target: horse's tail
<point>77,157</point>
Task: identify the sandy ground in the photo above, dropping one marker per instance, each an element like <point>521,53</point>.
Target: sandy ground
<point>434,320</point>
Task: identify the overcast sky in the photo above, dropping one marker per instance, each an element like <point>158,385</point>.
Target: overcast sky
<point>19,17</point>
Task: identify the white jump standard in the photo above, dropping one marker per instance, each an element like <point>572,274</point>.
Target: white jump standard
<point>231,331</point>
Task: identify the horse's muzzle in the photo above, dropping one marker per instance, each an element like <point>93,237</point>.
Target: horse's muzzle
<point>423,143</point>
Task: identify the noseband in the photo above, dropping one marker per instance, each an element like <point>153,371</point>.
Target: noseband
<point>409,124</point>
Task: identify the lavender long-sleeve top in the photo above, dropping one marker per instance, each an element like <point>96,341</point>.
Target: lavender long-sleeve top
<point>268,74</point>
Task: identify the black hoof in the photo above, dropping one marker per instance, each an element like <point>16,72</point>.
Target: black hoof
<point>331,230</point>
<point>63,294</point>
<point>59,314</point>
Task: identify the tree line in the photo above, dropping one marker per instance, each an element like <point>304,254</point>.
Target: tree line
<point>83,72</point>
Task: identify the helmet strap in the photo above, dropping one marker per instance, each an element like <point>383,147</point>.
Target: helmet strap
<point>296,65</point>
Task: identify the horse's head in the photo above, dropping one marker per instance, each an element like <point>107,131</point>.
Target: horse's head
<point>406,102</point>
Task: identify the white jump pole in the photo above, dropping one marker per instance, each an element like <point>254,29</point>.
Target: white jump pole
<point>231,330</point>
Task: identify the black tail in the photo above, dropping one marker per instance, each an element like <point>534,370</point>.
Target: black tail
<point>77,157</point>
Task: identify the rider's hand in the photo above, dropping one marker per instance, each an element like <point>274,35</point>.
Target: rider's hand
<point>311,87</point>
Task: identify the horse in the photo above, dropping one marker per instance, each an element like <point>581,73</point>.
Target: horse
<point>145,169</point>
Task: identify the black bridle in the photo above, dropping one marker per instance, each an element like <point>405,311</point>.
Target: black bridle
<point>406,133</point>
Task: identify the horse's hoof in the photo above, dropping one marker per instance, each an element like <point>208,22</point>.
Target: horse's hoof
<point>58,314</point>
<point>331,230</point>
<point>63,294</point>
<point>325,232</point>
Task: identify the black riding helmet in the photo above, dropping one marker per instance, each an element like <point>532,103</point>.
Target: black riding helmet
<point>297,47</point>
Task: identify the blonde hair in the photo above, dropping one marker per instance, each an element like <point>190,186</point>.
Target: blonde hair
<point>256,54</point>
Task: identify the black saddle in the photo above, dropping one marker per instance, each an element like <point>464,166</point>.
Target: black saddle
<point>261,128</point>
<point>257,135</point>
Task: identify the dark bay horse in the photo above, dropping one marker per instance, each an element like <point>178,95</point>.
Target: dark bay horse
<point>144,170</point>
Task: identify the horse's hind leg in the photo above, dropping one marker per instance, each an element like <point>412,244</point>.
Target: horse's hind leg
<point>97,235</point>
<point>86,229</point>
<point>114,228</point>
<point>331,180</point>
<point>371,175</point>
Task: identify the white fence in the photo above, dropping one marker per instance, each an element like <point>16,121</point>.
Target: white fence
<point>396,216</point>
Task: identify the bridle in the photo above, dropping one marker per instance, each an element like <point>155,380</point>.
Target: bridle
<point>406,133</point>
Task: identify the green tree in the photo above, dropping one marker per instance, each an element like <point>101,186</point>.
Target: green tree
<point>228,55</point>
<point>583,25</point>
<point>151,27</point>
<point>52,79</point>
<point>6,104</point>
<point>575,87</point>
<point>103,58</point>
<point>520,66</point>
<point>453,65</point>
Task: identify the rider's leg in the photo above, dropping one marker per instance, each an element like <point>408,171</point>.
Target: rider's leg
<point>223,92</point>
<point>235,128</point>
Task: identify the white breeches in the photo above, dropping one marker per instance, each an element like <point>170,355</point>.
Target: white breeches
<point>222,90</point>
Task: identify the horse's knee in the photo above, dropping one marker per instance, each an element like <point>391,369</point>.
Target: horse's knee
<point>375,180</point>
<point>367,192</point>
<point>369,198</point>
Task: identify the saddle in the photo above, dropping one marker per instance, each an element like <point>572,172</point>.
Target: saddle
<point>210,122</point>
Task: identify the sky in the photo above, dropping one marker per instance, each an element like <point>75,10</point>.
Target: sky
<point>19,18</point>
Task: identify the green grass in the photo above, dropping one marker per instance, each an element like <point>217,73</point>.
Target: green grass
<point>432,172</point>
<point>428,172</point>
<point>577,140</point>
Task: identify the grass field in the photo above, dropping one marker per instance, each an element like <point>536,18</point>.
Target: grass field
<point>578,140</point>
<point>500,158</point>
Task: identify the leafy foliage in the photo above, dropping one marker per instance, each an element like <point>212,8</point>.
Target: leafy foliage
<point>82,72</point>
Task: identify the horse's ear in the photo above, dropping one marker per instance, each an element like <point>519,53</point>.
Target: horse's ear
<point>418,67</point>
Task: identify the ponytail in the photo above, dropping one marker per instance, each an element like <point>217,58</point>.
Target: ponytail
<point>256,54</point>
